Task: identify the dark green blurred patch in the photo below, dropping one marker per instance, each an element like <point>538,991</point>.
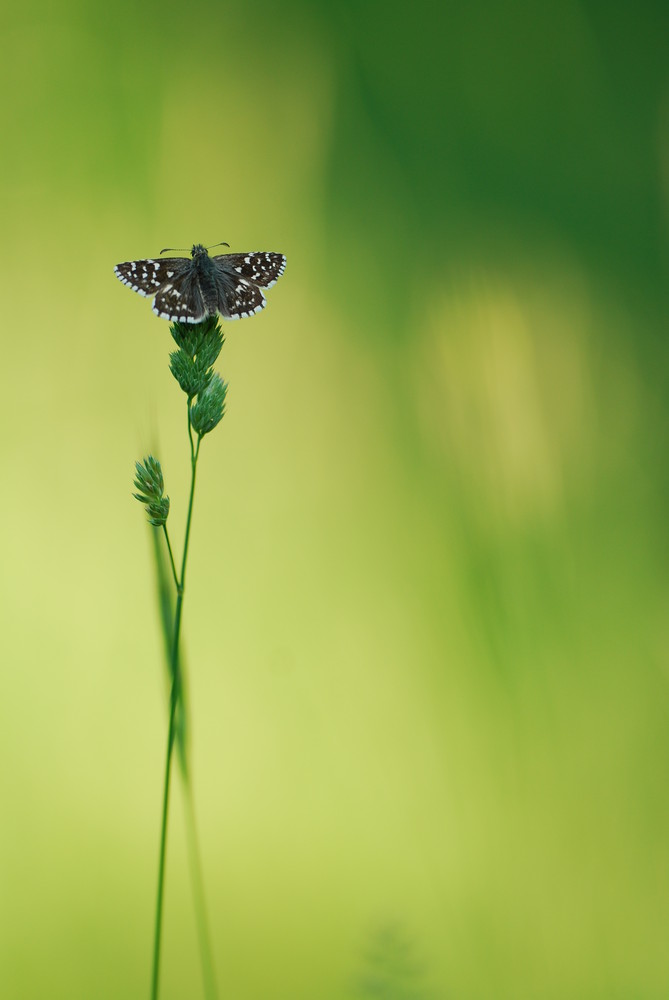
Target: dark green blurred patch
<point>390,969</point>
<point>460,132</point>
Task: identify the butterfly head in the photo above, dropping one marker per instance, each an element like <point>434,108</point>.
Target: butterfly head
<point>199,251</point>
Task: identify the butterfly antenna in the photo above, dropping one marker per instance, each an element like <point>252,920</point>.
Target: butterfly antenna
<point>174,250</point>
<point>222,244</point>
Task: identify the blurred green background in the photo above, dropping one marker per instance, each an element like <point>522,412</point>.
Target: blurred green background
<point>427,620</point>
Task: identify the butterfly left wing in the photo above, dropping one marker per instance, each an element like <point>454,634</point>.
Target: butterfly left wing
<point>147,276</point>
<point>180,300</point>
<point>176,292</point>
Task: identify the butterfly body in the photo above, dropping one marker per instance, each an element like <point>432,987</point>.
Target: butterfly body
<point>188,290</point>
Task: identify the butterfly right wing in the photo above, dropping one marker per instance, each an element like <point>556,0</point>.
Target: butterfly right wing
<point>241,278</point>
<point>257,266</point>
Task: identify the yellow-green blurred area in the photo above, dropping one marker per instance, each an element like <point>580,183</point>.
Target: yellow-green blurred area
<point>426,625</point>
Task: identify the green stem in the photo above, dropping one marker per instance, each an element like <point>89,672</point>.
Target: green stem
<point>174,698</point>
<point>163,833</point>
<point>206,958</point>
<point>169,549</point>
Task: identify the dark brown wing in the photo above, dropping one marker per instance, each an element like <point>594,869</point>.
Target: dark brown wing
<point>147,276</point>
<point>180,300</point>
<point>257,266</point>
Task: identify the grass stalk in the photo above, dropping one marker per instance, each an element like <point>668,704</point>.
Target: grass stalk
<point>174,699</point>
<point>198,347</point>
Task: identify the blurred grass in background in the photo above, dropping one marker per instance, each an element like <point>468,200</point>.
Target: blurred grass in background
<point>427,621</point>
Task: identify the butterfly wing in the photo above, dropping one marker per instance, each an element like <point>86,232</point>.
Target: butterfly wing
<point>180,299</point>
<point>258,267</point>
<point>240,278</point>
<point>146,276</point>
<point>171,280</point>
<point>239,299</point>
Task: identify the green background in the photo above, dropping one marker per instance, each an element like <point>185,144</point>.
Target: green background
<point>427,618</point>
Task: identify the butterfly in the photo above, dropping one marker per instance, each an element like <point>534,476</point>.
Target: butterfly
<point>188,290</point>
